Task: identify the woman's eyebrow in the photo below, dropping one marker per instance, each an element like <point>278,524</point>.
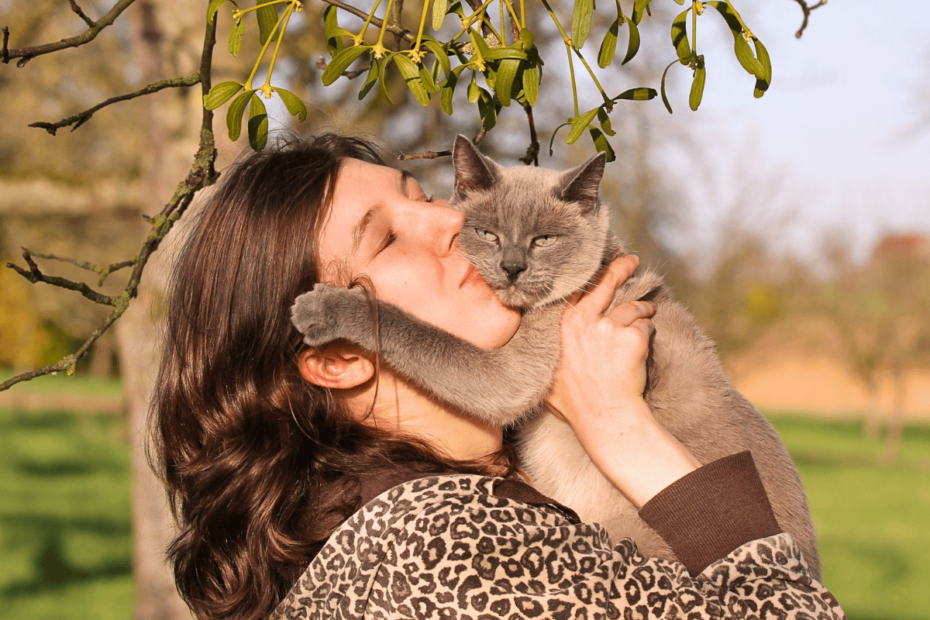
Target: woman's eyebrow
<point>358,232</point>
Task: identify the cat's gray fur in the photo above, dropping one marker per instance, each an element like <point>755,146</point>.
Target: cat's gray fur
<point>687,389</point>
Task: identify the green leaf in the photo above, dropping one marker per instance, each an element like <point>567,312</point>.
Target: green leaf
<point>503,84</point>
<point>382,83</point>
<point>411,75</point>
<point>531,85</point>
<point>235,37</point>
<point>258,123</point>
<point>474,91</point>
<point>341,62</point>
<point>601,144</point>
<point>637,94</point>
<point>440,53</point>
<point>480,44</point>
<point>332,32</point>
<point>446,92</point>
<point>680,37</point>
<point>502,53</point>
<point>697,85</point>
<point>370,80</point>
<point>762,84</point>
<point>728,15</point>
<point>293,104</point>
<point>604,120</point>
<point>220,94</point>
<point>212,9</point>
<point>581,22</point>
<point>579,125</point>
<point>267,17</point>
<point>633,45</point>
<point>235,112</point>
<point>527,38</point>
<point>746,58</point>
<point>456,7</point>
<point>639,7</point>
<point>426,78</point>
<point>439,13</point>
<point>605,55</point>
<point>487,110</point>
<point>680,2</point>
<point>552,137</point>
<point>668,106</point>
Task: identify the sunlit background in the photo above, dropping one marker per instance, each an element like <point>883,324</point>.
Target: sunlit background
<point>795,227</point>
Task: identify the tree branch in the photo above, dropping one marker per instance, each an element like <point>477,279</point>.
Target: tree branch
<point>532,151</point>
<point>807,13</point>
<point>437,154</point>
<point>35,275</point>
<point>392,28</point>
<point>101,270</point>
<point>82,117</point>
<point>202,174</point>
<point>25,54</point>
<point>80,13</point>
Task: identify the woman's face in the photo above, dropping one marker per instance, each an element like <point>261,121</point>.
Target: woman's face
<point>382,225</point>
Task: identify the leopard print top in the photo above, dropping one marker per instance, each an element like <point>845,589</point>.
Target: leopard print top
<point>446,548</point>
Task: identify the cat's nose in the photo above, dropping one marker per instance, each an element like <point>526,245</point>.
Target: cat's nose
<point>513,269</point>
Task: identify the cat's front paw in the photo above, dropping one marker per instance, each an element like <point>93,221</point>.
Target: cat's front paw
<point>326,313</point>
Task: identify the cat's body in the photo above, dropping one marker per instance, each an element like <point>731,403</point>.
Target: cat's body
<point>536,236</point>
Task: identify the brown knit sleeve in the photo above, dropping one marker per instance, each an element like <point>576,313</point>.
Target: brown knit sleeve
<point>711,511</point>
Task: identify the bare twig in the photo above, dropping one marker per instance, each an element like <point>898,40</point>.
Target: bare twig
<point>437,154</point>
<point>201,175</point>
<point>392,28</point>
<point>807,13</point>
<point>35,275</point>
<point>5,50</point>
<point>80,13</point>
<point>532,151</point>
<point>25,54</point>
<point>82,117</point>
<point>321,65</point>
<point>101,270</point>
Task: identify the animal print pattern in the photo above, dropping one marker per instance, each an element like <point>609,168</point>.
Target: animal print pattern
<point>446,548</point>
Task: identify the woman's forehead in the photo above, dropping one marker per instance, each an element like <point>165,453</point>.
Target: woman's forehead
<point>360,187</point>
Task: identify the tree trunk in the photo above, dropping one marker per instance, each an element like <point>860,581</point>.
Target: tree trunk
<point>139,341</point>
<point>873,417</point>
<point>895,433</point>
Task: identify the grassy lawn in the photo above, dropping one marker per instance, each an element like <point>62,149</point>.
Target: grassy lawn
<point>65,535</point>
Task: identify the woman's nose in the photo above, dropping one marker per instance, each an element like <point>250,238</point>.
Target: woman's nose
<point>438,224</point>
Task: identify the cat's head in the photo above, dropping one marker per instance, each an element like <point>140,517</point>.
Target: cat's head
<point>535,235</point>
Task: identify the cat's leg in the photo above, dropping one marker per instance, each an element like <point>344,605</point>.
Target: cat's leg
<point>498,386</point>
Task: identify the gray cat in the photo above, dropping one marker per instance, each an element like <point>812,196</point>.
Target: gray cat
<point>536,236</point>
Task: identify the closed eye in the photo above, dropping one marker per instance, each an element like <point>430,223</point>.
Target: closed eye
<point>388,240</point>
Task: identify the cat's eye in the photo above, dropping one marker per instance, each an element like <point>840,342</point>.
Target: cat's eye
<point>487,235</point>
<point>544,240</point>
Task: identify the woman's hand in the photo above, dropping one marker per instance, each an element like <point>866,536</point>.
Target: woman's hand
<point>598,389</point>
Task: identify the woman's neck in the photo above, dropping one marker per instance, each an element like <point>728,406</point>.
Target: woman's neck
<point>400,407</point>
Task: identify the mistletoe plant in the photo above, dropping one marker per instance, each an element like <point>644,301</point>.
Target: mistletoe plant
<point>499,62</point>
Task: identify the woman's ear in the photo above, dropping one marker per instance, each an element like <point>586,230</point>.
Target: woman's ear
<point>336,367</point>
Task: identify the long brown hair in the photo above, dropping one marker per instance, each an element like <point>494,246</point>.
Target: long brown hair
<point>260,466</point>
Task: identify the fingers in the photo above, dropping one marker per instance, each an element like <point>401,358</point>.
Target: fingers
<point>628,313</point>
<point>612,278</point>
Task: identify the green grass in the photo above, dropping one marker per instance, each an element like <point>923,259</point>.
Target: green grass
<point>873,521</point>
<point>65,534</point>
<point>77,385</point>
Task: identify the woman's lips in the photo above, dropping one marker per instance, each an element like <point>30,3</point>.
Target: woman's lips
<point>471,277</point>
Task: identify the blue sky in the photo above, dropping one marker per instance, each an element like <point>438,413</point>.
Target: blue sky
<point>837,142</point>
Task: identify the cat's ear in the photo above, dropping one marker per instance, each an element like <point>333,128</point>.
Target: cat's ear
<point>473,171</point>
<point>581,184</point>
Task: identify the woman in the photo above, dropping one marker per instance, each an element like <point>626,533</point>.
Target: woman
<point>319,468</point>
